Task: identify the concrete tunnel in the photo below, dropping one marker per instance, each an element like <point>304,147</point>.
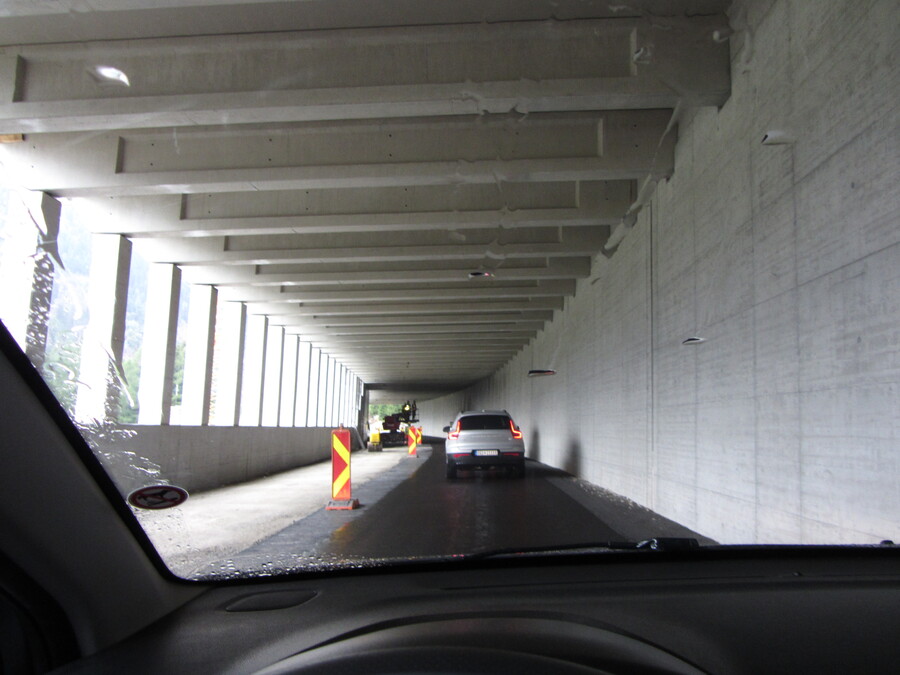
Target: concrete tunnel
<point>686,210</point>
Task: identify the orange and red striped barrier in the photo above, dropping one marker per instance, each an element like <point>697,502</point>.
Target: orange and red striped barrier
<point>411,441</point>
<point>341,489</point>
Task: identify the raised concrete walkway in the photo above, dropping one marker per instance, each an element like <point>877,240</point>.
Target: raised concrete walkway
<point>215,525</point>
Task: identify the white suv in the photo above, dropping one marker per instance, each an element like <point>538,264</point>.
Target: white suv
<point>484,438</point>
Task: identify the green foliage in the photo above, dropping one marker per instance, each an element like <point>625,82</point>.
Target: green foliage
<point>61,367</point>
<point>178,374</point>
<point>379,410</point>
<point>128,413</point>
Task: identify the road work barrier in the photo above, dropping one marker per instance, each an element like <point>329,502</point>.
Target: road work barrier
<point>341,490</point>
<point>374,444</point>
<point>411,441</point>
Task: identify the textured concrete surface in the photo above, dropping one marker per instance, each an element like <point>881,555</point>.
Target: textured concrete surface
<point>204,458</point>
<point>216,524</point>
<point>783,426</point>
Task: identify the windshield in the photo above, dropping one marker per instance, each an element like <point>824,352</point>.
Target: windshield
<point>264,261</point>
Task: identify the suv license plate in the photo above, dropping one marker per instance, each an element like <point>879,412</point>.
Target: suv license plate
<point>487,453</point>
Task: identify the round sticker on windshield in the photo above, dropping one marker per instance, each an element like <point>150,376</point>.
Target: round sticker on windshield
<point>157,497</point>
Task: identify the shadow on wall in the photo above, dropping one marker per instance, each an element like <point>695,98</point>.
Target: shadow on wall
<point>572,462</point>
<point>534,446</point>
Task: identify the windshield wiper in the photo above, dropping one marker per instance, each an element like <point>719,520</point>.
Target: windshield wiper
<point>654,544</point>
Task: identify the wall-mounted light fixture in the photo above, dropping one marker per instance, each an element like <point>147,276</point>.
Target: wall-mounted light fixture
<point>109,76</point>
<point>722,34</point>
<point>778,137</point>
<point>541,372</point>
<point>693,340</point>
<point>480,274</point>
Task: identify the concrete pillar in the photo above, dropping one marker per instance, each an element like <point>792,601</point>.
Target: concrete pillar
<point>351,391</point>
<point>29,234</point>
<point>101,350</point>
<point>288,382</point>
<point>301,405</point>
<point>228,362</point>
<point>363,411</point>
<point>272,374</point>
<point>342,397</point>
<point>47,217</point>
<point>351,412</point>
<point>198,357</point>
<point>328,392</point>
<point>158,345</point>
<point>255,336</point>
<point>339,393</point>
<point>361,401</point>
<point>338,381</point>
<point>315,359</point>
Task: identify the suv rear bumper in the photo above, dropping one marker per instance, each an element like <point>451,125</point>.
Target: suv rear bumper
<point>469,460</point>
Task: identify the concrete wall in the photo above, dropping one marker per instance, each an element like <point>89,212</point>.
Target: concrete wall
<point>202,458</point>
<point>784,426</point>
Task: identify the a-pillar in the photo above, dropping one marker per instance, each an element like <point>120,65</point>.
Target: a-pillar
<point>99,387</point>
<point>198,357</point>
<point>158,345</point>
<point>255,338</point>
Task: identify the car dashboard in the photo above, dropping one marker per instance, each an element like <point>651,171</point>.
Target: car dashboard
<point>723,611</point>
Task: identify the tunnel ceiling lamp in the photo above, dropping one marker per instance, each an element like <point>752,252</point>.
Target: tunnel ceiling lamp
<point>109,76</point>
<point>693,340</point>
<point>480,274</point>
<point>541,372</point>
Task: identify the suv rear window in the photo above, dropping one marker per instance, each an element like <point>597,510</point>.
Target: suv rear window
<point>480,422</point>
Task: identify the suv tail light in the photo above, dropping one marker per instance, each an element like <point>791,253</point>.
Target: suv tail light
<point>454,433</point>
<point>516,434</point>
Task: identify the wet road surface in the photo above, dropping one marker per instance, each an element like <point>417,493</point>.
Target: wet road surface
<point>428,515</point>
<point>412,511</point>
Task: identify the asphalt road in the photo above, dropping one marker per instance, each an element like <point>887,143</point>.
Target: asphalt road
<point>428,515</point>
<point>411,511</point>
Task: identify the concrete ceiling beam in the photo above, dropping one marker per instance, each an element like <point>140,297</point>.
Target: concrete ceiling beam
<point>404,319</point>
<point>569,243</point>
<point>525,66</point>
<point>449,199</point>
<point>400,208</point>
<point>610,214</point>
<point>428,347</point>
<point>402,339</point>
<point>569,268</point>
<point>496,291</point>
<point>499,328</point>
<point>492,172</point>
<point>419,309</point>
